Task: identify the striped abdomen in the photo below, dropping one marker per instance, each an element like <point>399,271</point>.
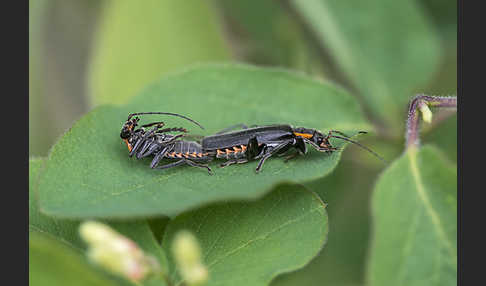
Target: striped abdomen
<point>187,149</point>
<point>235,152</point>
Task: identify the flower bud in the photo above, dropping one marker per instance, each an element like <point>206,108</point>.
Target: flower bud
<point>116,253</point>
<point>426,113</point>
<point>187,254</point>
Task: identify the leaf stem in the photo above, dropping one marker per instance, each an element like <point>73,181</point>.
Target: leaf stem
<point>421,103</point>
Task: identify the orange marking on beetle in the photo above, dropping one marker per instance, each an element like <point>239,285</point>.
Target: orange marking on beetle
<point>219,152</point>
<point>229,151</point>
<point>237,149</point>
<point>193,154</point>
<point>128,145</point>
<point>199,155</point>
<point>305,135</point>
<point>243,147</point>
<point>179,155</point>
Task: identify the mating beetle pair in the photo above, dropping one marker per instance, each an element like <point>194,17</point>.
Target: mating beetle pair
<point>240,146</point>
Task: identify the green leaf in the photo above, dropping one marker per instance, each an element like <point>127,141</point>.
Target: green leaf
<point>89,173</point>
<point>387,49</point>
<point>158,225</point>
<point>52,263</point>
<point>137,43</point>
<point>347,196</point>
<point>249,243</point>
<point>66,231</point>
<point>415,222</point>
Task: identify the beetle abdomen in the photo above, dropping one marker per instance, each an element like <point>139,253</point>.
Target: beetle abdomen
<point>187,149</point>
<point>235,152</point>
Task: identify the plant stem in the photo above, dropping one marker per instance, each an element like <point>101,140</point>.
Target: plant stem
<point>422,102</point>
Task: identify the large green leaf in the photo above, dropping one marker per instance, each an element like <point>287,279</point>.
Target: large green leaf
<point>139,42</point>
<point>386,48</point>
<point>249,243</point>
<point>347,195</point>
<point>66,231</point>
<point>52,263</point>
<point>415,222</point>
<point>89,173</point>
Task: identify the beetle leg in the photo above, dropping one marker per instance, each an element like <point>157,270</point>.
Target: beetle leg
<point>159,157</point>
<point>150,150</point>
<point>194,164</point>
<point>153,146</point>
<point>145,146</point>
<point>291,156</point>
<point>319,148</point>
<point>159,124</point>
<point>329,134</point>
<point>174,164</point>
<point>142,139</point>
<point>173,139</point>
<point>268,154</point>
<point>180,129</point>
<point>287,156</point>
<point>299,144</point>
<point>228,163</point>
<point>135,146</point>
<point>260,164</point>
<point>253,150</point>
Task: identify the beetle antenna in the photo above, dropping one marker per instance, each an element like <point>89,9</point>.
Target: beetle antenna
<point>166,113</point>
<point>347,136</point>
<point>360,145</point>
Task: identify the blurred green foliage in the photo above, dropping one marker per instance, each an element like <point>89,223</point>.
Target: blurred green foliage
<point>137,44</point>
<point>86,53</point>
<point>53,263</point>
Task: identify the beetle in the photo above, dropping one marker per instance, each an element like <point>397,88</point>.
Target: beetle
<point>262,142</point>
<point>159,143</point>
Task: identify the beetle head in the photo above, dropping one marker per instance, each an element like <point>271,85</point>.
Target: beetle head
<point>321,142</point>
<point>128,127</point>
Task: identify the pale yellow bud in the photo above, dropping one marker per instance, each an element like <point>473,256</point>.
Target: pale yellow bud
<point>187,254</point>
<point>426,113</point>
<point>186,248</point>
<point>198,275</point>
<point>95,233</point>
<point>116,253</point>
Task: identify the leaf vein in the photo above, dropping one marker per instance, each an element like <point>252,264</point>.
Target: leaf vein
<point>261,237</point>
<point>436,221</point>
